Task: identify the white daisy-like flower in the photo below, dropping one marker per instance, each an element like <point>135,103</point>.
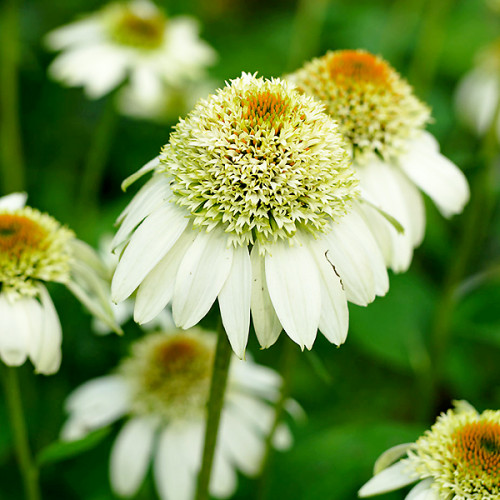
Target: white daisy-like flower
<point>253,202</point>
<point>476,98</point>
<point>134,41</point>
<point>124,311</point>
<point>457,459</point>
<point>383,124</point>
<point>163,389</point>
<point>34,249</point>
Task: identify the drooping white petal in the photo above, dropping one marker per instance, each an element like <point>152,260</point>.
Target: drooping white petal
<point>265,321</point>
<point>294,288</point>
<point>131,455</point>
<point>200,277</point>
<point>437,176</point>
<point>177,460</point>
<point>157,288</point>
<point>282,439</point>
<point>334,317</point>
<point>46,353</point>
<point>153,194</point>
<point>234,301</point>
<point>96,404</point>
<point>390,456</point>
<point>394,477</point>
<point>150,242</point>
<point>13,201</point>
<point>76,33</point>
<point>223,480</point>
<point>255,379</point>
<point>423,491</point>
<point>150,165</point>
<point>15,330</point>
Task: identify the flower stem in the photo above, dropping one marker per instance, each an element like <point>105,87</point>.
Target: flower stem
<point>214,409</point>
<point>97,158</point>
<point>287,365</point>
<point>27,466</point>
<point>11,159</point>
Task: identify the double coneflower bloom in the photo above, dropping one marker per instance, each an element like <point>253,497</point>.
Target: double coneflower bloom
<point>35,250</point>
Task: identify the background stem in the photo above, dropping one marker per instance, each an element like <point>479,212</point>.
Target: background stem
<point>27,466</point>
<point>214,409</point>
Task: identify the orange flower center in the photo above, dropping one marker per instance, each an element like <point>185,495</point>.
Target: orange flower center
<point>19,233</point>
<point>478,446</point>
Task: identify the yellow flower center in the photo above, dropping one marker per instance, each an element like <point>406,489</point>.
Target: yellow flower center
<point>477,449</point>
<point>19,234</point>
<point>171,373</point>
<point>140,31</point>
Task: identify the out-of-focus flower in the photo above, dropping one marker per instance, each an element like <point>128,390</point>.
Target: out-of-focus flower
<point>163,389</point>
<point>457,459</point>
<point>34,249</point>
<point>383,125</point>
<point>253,202</point>
<point>135,41</point>
<point>476,98</point>
<point>125,310</point>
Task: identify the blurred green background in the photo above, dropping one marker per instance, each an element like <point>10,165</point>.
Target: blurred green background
<point>435,337</point>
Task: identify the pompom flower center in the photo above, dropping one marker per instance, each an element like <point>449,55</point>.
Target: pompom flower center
<point>375,108</point>
<point>170,374</point>
<point>477,449</point>
<point>144,31</point>
<point>33,246</point>
<point>260,161</point>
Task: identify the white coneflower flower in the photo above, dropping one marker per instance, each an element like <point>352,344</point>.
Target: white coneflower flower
<point>35,248</point>
<point>163,389</point>
<point>476,98</point>
<point>252,202</point>
<point>123,311</point>
<point>457,459</point>
<point>132,40</point>
<point>383,124</point>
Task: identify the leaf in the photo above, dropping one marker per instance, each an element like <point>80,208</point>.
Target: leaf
<point>62,450</point>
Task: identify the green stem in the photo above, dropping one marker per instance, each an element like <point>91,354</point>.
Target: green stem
<point>222,360</point>
<point>97,158</point>
<point>429,45</point>
<point>11,159</point>
<point>308,23</point>
<point>27,466</point>
<point>475,232</point>
<point>287,365</point>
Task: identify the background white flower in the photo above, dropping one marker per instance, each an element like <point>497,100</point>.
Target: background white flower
<point>457,459</point>
<point>133,42</point>
<point>253,202</point>
<point>382,122</point>
<point>163,389</point>
<point>36,249</point>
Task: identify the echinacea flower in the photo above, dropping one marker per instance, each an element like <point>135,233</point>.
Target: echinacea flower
<point>477,95</point>
<point>35,249</point>
<point>457,459</point>
<point>134,41</point>
<point>383,124</point>
<point>162,389</point>
<point>252,202</point>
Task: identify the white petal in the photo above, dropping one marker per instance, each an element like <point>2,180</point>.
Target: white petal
<point>13,201</point>
<point>150,165</point>
<point>47,357</point>
<point>223,480</point>
<point>266,324</point>
<point>334,317</point>
<point>177,461</point>
<point>75,33</point>
<point>293,283</point>
<point>150,242</point>
<point>201,275</point>
<point>234,301</point>
<point>390,456</point>
<point>437,176</point>
<point>255,379</point>
<point>15,330</point>
<point>157,289</point>
<point>130,455</point>
<point>423,491</point>
<point>153,194</point>
<point>394,477</point>
<point>282,439</point>
<point>96,404</point>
